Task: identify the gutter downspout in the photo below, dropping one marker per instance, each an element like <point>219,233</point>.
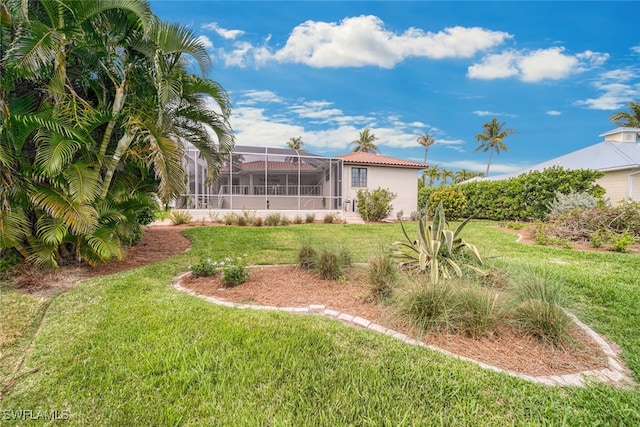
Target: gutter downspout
<point>630,183</point>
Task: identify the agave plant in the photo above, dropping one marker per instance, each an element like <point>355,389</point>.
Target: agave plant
<point>435,248</point>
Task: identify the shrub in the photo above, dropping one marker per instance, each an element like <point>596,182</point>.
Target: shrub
<point>247,217</point>
<point>329,265</point>
<point>571,201</point>
<point>621,242</point>
<point>423,197</point>
<point>375,205</point>
<point>284,220</point>
<point>273,219</point>
<point>328,219</point>
<point>527,196</point>
<point>310,218</point>
<point>242,221</point>
<point>235,272</point>
<point>307,257</point>
<point>538,310</point>
<point>257,221</point>
<point>435,249</point>
<point>230,218</point>
<point>214,217</point>
<point>297,219</point>
<point>599,237</point>
<point>205,267</point>
<point>477,311</point>
<point>429,307</point>
<point>514,225</point>
<point>178,217</point>
<point>9,257</point>
<point>453,201</point>
<point>382,275</point>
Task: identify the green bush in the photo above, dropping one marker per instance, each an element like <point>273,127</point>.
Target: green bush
<point>273,219</point>
<point>235,272</point>
<point>382,275</point>
<point>9,257</point>
<point>328,219</point>
<point>423,197</point>
<point>375,205</point>
<point>527,196</point>
<point>453,202</point>
<point>310,218</point>
<point>621,242</point>
<point>572,201</point>
<point>206,267</point>
<point>297,219</point>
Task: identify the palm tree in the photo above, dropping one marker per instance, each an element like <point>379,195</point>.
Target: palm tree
<point>426,141</point>
<point>92,126</point>
<point>446,174</point>
<point>628,119</point>
<point>433,173</point>
<point>464,174</point>
<point>492,139</point>
<point>295,143</point>
<point>365,142</point>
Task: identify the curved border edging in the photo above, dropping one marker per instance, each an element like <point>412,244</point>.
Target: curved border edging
<point>615,374</point>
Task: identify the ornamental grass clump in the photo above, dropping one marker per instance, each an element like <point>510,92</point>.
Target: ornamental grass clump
<point>436,249</point>
<point>477,311</point>
<point>382,275</point>
<point>307,257</point>
<point>429,307</point>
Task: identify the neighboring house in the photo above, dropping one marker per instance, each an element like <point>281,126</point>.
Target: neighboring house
<point>261,179</point>
<point>618,156</point>
<point>372,171</point>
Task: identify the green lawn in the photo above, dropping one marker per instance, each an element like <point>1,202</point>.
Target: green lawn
<point>128,349</point>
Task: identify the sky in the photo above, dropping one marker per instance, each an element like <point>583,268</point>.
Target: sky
<point>554,72</point>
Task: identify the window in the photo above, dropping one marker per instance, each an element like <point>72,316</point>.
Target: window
<point>358,177</point>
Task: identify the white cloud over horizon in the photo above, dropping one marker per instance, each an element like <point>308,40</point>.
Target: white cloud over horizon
<point>223,32</point>
<point>617,87</point>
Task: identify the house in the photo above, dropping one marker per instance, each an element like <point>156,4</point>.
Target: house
<point>371,171</point>
<point>264,179</point>
<point>618,156</point>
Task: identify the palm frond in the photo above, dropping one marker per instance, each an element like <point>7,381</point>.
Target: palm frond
<point>83,181</point>
<point>55,152</point>
<point>51,231</point>
<point>14,227</point>
<point>79,217</point>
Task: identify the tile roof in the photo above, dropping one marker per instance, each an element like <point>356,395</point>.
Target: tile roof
<point>361,158</point>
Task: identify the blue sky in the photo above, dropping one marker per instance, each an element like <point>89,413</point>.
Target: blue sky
<point>553,71</point>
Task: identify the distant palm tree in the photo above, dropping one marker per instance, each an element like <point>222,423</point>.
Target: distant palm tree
<point>426,141</point>
<point>464,174</point>
<point>492,139</point>
<point>295,143</point>
<point>433,173</point>
<point>628,120</point>
<point>365,142</point>
<point>446,174</point>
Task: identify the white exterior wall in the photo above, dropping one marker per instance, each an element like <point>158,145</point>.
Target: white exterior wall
<point>401,181</point>
<point>616,185</point>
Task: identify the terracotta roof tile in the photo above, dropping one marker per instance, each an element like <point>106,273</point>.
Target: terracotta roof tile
<point>361,158</point>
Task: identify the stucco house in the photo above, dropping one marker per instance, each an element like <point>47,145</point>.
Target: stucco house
<point>264,179</point>
<point>617,155</point>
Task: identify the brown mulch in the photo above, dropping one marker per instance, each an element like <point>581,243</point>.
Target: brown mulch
<point>289,286</point>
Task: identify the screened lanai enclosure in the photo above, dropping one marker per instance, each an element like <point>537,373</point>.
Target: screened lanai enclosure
<point>259,178</point>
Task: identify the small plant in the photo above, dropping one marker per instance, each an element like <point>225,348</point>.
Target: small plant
<point>206,267</point>
<point>382,275</point>
<point>310,218</point>
<point>541,234</point>
<point>477,312</point>
<point>514,225</point>
<point>161,215</point>
<point>430,306</point>
<point>328,219</point>
<point>285,220</point>
<point>329,265</point>
<point>178,217</point>
<point>242,221</point>
<point>599,237</point>
<point>230,219</point>
<point>538,310</point>
<point>297,219</point>
<point>568,202</point>
<point>307,257</point>
<point>399,215</point>
<point>257,221</point>
<point>214,217</point>
<point>621,242</point>
<point>273,219</point>
<point>235,272</point>
<point>436,248</point>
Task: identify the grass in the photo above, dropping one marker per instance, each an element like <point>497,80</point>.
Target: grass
<point>128,349</point>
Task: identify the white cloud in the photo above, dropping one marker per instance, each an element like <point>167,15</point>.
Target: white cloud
<point>206,42</point>
<point>223,32</point>
<point>635,49</point>
<point>484,113</point>
<point>553,113</point>
<point>617,89</point>
<point>252,97</point>
<point>478,166</point>
<point>365,41</point>
<point>534,66</point>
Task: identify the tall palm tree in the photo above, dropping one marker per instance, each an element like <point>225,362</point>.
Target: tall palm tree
<point>492,139</point>
<point>365,142</point>
<point>464,174</point>
<point>446,174</point>
<point>629,119</point>
<point>426,141</point>
<point>295,143</point>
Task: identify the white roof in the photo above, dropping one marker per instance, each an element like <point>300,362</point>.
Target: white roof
<point>604,156</point>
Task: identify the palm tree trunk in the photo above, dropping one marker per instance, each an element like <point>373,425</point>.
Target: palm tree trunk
<point>489,164</point>
<point>118,104</point>
<point>121,148</point>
